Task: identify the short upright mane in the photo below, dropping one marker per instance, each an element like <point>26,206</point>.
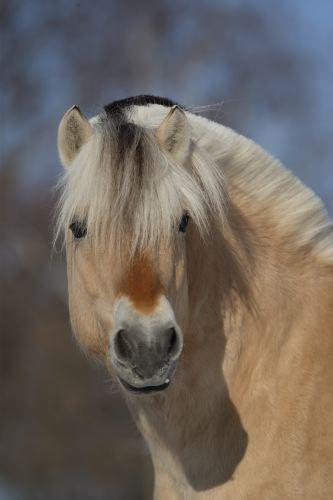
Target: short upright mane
<point>138,100</point>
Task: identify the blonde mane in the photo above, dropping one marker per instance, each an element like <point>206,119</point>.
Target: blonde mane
<point>127,189</point>
<point>129,192</point>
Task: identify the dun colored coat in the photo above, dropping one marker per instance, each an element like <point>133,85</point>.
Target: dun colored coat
<point>201,271</point>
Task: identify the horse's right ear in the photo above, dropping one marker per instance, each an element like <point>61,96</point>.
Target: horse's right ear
<point>74,131</point>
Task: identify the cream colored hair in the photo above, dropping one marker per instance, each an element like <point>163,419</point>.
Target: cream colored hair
<point>127,188</point>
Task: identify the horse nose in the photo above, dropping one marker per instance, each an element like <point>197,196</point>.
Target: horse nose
<point>149,356</point>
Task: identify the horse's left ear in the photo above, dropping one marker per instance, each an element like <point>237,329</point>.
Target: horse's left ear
<point>174,134</point>
<point>74,131</point>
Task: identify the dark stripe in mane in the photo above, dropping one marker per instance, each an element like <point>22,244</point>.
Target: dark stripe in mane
<point>129,138</point>
<point>116,107</point>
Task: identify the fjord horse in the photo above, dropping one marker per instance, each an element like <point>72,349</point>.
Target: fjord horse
<point>201,271</point>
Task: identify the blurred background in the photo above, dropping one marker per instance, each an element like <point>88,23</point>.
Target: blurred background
<point>65,432</point>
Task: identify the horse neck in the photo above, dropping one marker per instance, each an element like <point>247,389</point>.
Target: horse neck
<point>245,285</point>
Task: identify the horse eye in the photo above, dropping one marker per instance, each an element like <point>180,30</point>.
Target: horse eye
<point>184,222</point>
<point>79,229</point>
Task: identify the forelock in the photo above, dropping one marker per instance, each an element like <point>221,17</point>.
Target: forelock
<point>129,192</point>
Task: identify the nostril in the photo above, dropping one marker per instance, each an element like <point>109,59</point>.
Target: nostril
<point>173,343</point>
<point>122,346</point>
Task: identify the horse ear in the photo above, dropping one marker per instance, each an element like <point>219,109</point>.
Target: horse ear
<point>174,135</point>
<point>74,131</point>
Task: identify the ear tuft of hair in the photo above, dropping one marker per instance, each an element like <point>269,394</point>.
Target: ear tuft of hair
<point>174,135</point>
<point>74,131</point>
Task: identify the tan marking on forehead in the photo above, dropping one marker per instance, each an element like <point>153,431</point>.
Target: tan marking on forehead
<point>141,284</point>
